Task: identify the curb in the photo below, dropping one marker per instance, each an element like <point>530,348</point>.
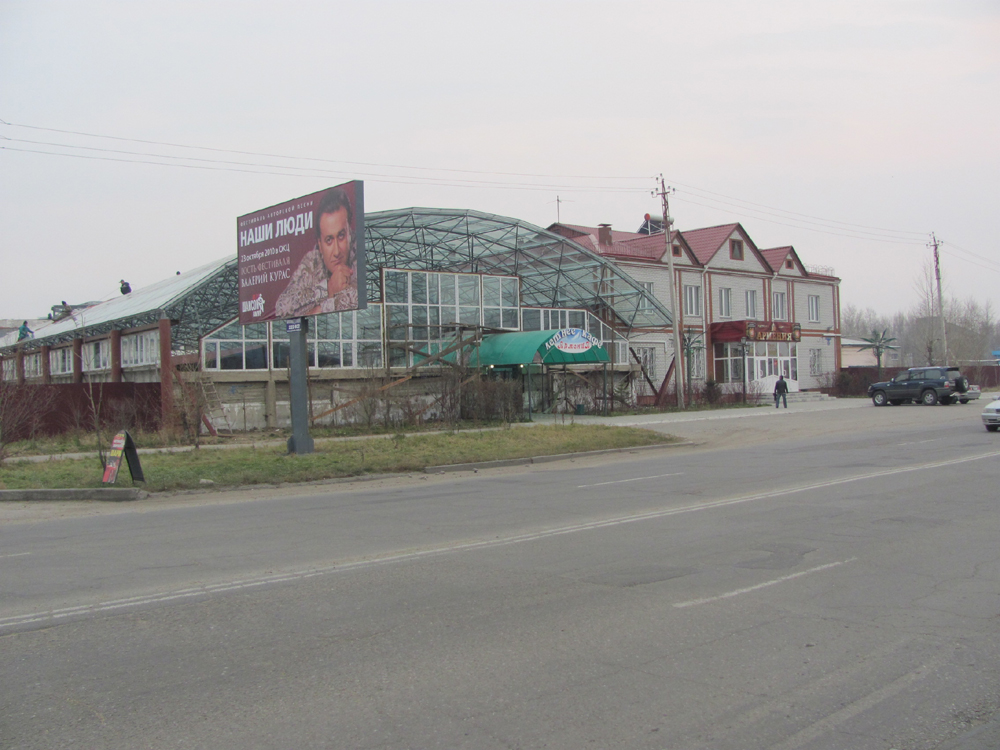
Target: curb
<point>545,459</point>
<point>118,495</point>
<point>109,494</point>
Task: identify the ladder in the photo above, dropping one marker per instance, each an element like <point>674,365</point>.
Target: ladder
<point>214,417</point>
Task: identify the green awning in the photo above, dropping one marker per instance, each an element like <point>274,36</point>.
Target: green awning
<point>569,346</point>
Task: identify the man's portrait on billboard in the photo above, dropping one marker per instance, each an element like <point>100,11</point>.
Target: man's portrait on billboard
<point>326,279</point>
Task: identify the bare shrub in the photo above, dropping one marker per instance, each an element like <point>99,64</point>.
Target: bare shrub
<point>492,400</point>
<point>23,409</point>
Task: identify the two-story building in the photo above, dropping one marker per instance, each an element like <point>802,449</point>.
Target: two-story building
<point>747,314</point>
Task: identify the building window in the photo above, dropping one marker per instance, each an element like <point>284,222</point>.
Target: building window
<point>751,304</point>
<point>646,356</point>
<point>778,311</point>
<point>677,251</point>
<point>736,249</point>
<point>789,263</point>
<point>96,356</point>
<point>692,300</point>
<point>725,306</point>
<point>141,349</point>
<point>644,303</point>
<point>815,361</point>
<point>814,308</point>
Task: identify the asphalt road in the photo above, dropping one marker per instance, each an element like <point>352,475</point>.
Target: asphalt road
<point>821,578</point>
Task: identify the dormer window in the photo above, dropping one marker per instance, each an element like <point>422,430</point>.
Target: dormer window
<point>789,263</point>
<point>677,251</point>
<point>736,249</point>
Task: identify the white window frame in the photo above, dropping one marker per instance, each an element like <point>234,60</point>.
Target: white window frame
<point>815,361</point>
<point>647,286</point>
<point>779,310</point>
<point>692,300</point>
<point>751,303</point>
<point>814,308</point>
<point>725,302</point>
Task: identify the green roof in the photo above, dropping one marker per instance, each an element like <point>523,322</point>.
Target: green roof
<point>539,347</point>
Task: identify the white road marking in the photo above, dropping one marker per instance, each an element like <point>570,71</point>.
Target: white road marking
<point>16,554</point>
<point>209,589</point>
<point>748,589</point>
<point>633,479</point>
<point>830,723</point>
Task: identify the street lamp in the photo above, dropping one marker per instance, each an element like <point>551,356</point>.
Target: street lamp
<point>744,343</point>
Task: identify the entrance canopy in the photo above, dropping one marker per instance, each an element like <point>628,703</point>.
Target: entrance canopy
<point>569,346</point>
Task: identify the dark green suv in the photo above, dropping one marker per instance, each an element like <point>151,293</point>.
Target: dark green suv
<point>925,385</point>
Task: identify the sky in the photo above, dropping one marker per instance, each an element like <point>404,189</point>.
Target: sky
<point>133,134</point>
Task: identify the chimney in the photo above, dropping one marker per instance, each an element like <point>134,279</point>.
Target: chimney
<point>604,234</point>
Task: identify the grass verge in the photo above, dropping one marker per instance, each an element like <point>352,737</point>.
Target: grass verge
<point>401,453</point>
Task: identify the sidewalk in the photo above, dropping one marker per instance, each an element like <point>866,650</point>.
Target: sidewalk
<point>759,412</point>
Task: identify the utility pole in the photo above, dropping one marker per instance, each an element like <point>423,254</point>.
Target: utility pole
<point>937,275</point>
<point>678,358</point>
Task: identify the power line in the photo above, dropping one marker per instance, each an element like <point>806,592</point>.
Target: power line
<point>809,228</point>
<point>321,173</point>
<point>312,158</point>
<point>795,213</point>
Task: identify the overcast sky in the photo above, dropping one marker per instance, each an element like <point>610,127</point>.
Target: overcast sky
<point>850,130</point>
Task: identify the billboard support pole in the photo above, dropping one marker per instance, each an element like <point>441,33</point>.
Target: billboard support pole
<point>300,441</point>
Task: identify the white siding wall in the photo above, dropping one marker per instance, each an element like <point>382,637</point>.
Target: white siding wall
<point>657,275</point>
<point>739,285</point>
<point>722,261</point>
<point>806,379</point>
<point>825,293</point>
<point>664,347</point>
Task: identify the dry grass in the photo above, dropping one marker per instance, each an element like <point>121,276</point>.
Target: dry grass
<point>271,465</point>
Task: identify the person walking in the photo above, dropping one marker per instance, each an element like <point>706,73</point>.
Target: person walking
<point>781,391</point>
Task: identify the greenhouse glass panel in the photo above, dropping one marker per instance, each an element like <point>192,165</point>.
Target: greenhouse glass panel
<point>491,291</point>
<point>395,286</point>
<point>468,290</point>
<point>419,320</point>
<point>328,353</point>
<point>327,326</point>
<point>255,331</point>
<point>256,356</point>
<point>370,323</point>
<point>418,288</point>
<point>510,292</point>
<point>448,282</point>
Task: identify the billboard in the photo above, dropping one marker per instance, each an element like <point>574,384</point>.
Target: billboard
<point>303,257</point>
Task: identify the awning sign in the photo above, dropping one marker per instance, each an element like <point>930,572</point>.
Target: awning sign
<point>572,341</point>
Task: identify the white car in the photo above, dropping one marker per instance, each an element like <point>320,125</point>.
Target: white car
<point>991,416</point>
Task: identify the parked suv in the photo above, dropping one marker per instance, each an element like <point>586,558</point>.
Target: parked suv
<point>926,385</point>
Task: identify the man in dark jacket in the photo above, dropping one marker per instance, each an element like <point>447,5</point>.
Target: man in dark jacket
<point>781,391</point>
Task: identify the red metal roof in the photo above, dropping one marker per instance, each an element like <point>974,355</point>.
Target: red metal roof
<point>624,244</point>
<point>705,243</point>
<point>775,256</point>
